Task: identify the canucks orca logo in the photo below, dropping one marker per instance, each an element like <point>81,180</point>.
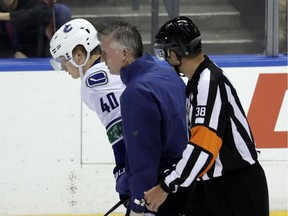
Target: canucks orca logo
<point>96,79</point>
<point>67,28</point>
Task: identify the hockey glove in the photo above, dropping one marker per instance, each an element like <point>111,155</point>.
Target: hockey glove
<point>122,184</point>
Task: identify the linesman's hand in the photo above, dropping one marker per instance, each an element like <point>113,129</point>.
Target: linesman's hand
<point>154,198</point>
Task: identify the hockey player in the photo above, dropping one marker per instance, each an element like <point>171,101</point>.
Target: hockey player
<point>221,154</point>
<point>75,48</point>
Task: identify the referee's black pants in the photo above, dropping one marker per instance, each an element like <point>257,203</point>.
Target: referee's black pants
<point>239,193</point>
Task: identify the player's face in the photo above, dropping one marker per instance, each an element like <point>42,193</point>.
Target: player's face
<point>70,68</point>
<point>73,71</point>
<point>112,57</point>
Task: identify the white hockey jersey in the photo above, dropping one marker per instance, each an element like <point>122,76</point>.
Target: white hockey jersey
<point>101,92</point>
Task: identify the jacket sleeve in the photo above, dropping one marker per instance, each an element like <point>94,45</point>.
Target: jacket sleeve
<point>31,16</point>
<point>141,125</point>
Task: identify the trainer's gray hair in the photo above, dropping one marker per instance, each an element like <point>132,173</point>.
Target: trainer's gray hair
<point>124,36</point>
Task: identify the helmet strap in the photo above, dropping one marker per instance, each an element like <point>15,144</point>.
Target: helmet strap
<point>182,46</point>
<point>81,71</point>
<point>177,67</point>
<point>80,67</point>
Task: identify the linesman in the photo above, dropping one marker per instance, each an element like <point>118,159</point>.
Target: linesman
<point>220,158</point>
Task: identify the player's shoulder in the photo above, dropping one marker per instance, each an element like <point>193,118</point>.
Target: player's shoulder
<point>98,67</point>
<point>99,75</point>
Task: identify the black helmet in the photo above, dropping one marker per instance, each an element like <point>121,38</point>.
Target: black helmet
<point>180,35</point>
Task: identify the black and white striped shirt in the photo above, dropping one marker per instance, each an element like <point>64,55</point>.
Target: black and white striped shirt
<point>220,138</point>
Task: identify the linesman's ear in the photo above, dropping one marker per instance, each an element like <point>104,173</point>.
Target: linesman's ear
<point>173,58</point>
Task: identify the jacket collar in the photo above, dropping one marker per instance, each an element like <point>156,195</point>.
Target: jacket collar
<point>139,66</point>
<point>194,80</point>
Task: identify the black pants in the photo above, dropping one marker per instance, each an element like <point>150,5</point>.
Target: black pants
<point>175,203</point>
<point>239,193</point>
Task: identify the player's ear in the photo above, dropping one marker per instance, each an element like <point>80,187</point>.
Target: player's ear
<point>79,55</point>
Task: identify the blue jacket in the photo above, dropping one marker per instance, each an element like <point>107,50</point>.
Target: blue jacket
<point>154,123</point>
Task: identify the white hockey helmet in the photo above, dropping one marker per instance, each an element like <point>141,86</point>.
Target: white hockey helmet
<point>73,33</point>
